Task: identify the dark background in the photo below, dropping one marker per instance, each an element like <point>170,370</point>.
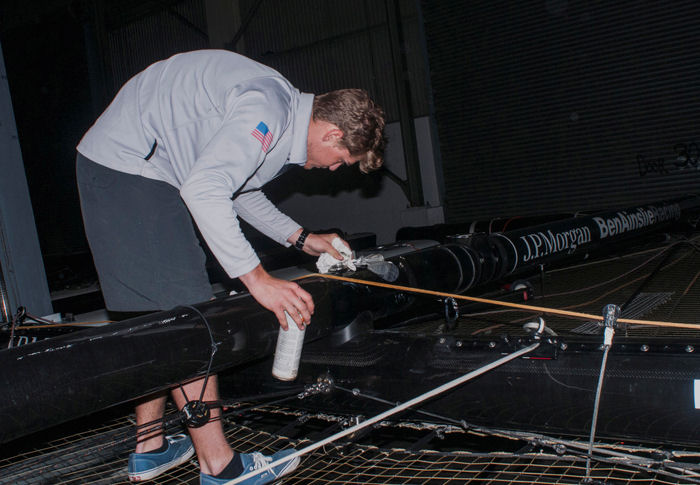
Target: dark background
<point>539,107</point>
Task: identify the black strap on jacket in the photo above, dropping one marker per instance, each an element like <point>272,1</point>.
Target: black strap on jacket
<point>153,150</point>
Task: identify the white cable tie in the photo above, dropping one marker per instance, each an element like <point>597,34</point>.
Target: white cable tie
<point>608,336</point>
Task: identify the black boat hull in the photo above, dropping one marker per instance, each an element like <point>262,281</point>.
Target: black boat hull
<point>50,382</point>
<point>648,395</point>
<point>58,379</point>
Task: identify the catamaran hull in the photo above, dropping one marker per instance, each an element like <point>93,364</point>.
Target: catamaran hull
<point>50,382</point>
<point>648,394</point>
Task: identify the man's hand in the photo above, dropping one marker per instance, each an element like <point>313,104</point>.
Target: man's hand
<point>317,244</point>
<point>279,296</point>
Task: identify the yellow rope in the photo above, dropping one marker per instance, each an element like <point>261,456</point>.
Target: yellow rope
<point>550,311</point>
<point>545,310</point>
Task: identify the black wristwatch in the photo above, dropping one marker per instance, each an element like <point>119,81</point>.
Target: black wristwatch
<point>299,244</point>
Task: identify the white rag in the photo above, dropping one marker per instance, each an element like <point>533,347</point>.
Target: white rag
<point>326,261</point>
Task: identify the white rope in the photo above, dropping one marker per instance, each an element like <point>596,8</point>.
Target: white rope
<point>401,407</point>
<point>610,316</point>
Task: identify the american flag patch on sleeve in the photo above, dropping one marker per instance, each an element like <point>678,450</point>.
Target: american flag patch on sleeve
<point>263,135</point>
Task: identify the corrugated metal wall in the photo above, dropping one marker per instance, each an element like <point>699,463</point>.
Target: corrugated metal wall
<point>560,106</point>
<point>320,45</point>
<point>138,33</point>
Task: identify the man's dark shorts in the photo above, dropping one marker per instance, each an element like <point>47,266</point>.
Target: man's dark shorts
<point>142,240</point>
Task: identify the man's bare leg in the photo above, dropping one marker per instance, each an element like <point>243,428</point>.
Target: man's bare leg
<point>150,410</point>
<point>213,450</point>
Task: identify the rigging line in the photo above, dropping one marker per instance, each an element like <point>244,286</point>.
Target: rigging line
<point>563,384</point>
<point>665,468</point>
<point>550,311</point>
<point>39,319</point>
<point>550,441</point>
<point>529,437</point>
<point>356,392</point>
<point>408,404</point>
<point>569,307</point>
<point>255,407</point>
<point>649,277</point>
<point>628,272</point>
<point>15,318</point>
<point>615,458</point>
<point>169,421</point>
<point>51,324</point>
<point>693,241</point>
<point>612,290</point>
<point>609,332</point>
<point>56,325</point>
<point>685,292</point>
<point>165,423</point>
<point>627,458</point>
<point>259,397</point>
<point>646,277</point>
<point>610,450</point>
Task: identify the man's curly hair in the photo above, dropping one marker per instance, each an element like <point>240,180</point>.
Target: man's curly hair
<point>360,120</point>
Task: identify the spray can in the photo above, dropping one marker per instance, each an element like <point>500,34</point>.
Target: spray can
<point>288,351</point>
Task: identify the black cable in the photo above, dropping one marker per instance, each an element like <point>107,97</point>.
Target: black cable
<point>196,412</point>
